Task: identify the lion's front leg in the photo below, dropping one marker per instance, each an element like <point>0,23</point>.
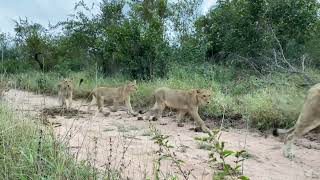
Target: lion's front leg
<point>62,101</point>
<point>194,113</point>
<point>129,107</point>
<point>69,102</point>
<point>100,101</point>
<point>115,105</point>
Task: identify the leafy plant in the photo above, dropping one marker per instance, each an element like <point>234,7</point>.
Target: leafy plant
<point>218,158</point>
<point>165,153</point>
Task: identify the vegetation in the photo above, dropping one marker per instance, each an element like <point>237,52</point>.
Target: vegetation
<point>271,101</point>
<point>258,57</point>
<point>29,151</point>
<point>218,157</point>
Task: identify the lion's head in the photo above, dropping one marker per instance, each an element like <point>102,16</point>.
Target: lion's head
<point>202,96</point>
<point>65,85</point>
<point>132,86</point>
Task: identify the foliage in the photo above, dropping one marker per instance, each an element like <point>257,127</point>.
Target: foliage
<point>273,101</point>
<point>219,155</point>
<point>170,43</point>
<point>28,150</point>
<point>165,152</point>
<point>244,26</point>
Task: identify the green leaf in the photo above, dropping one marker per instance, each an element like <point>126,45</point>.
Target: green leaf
<point>227,153</point>
<point>244,178</point>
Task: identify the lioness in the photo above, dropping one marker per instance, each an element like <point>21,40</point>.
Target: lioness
<point>115,94</point>
<point>65,90</point>
<point>185,101</point>
<point>309,119</point>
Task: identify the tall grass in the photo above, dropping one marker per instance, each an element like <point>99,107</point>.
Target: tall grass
<point>29,151</point>
<point>270,101</point>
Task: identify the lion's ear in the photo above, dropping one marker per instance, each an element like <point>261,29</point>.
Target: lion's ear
<point>195,91</point>
<point>134,82</point>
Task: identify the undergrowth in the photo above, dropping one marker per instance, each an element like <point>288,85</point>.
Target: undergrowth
<point>30,151</point>
<point>272,101</point>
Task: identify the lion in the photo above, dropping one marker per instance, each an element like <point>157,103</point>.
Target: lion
<point>65,91</point>
<point>185,101</point>
<point>309,119</point>
<point>114,94</point>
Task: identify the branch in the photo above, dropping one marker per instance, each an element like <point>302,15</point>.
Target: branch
<point>281,50</point>
<point>249,62</point>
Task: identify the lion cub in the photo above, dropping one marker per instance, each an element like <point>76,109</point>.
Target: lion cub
<point>185,101</point>
<point>116,94</point>
<point>65,90</point>
<point>309,119</point>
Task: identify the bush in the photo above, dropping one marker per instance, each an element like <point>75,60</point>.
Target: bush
<point>15,66</point>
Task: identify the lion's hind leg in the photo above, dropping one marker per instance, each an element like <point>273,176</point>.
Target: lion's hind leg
<point>156,110</point>
<point>299,131</point>
<point>180,117</point>
<point>100,103</point>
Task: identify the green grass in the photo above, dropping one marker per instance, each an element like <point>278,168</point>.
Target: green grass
<point>270,101</point>
<point>28,154</point>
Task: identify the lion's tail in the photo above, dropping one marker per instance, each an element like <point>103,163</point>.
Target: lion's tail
<point>80,82</point>
<point>277,132</point>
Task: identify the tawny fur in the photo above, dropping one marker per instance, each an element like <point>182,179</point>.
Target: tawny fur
<point>115,94</point>
<point>309,119</point>
<point>185,101</point>
<point>65,92</point>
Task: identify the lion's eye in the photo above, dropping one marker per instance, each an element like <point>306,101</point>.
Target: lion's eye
<point>204,95</point>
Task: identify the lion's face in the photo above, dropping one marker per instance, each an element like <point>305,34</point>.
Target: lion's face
<point>65,85</point>
<point>132,86</point>
<point>203,96</point>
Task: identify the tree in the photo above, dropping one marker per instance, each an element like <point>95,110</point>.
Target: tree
<point>32,39</point>
<point>244,26</point>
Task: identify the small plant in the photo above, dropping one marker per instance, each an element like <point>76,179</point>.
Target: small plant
<point>165,152</point>
<point>218,156</point>
<point>42,82</point>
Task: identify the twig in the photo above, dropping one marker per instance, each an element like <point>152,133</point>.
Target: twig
<point>249,62</point>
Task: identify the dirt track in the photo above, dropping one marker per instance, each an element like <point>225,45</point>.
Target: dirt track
<point>122,142</point>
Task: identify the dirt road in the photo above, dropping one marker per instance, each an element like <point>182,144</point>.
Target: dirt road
<point>121,142</point>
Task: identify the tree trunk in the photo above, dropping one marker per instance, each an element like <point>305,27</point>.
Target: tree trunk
<point>36,58</point>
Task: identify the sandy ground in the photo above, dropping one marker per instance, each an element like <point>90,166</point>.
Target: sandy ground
<point>121,142</point>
